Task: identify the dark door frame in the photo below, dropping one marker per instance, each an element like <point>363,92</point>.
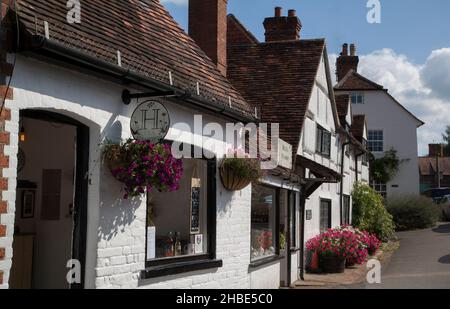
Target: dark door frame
<point>79,237</point>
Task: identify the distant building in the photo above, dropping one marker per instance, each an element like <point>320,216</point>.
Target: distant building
<point>434,175</point>
<point>390,124</point>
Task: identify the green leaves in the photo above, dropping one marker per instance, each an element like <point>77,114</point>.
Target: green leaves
<point>369,213</point>
<point>385,168</point>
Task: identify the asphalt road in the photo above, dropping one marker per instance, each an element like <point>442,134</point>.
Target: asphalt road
<point>421,262</point>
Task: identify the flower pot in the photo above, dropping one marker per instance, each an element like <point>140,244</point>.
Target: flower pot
<point>231,181</point>
<point>332,264</point>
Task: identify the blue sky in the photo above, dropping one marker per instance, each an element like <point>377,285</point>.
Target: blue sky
<point>409,52</point>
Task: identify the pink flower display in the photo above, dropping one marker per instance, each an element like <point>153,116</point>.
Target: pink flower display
<point>345,241</point>
<point>145,167</point>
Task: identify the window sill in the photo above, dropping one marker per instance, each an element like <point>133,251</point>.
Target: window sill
<point>266,261</point>
<point>179,267</point>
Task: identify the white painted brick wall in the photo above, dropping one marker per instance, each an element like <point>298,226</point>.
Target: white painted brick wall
<point>116,228</point>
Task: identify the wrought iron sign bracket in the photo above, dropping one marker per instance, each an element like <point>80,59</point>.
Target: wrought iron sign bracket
<point>127,96</point>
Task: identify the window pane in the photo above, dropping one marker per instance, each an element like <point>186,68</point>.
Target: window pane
<point>263,238</point>
<point>325,216</point>
<point>174,227</point>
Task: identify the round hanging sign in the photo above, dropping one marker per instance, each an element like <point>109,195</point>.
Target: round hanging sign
<point>150,122</point>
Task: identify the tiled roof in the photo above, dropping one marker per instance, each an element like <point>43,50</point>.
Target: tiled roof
<point>238,34</point>
<point>342,104</point>
<point>256,70</point>
<point>150,42</point>
<point>358,124</point>
<point>427,166</point>
<point>355,81</point>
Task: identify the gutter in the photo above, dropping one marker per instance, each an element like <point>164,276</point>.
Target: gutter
<point>40,43</point>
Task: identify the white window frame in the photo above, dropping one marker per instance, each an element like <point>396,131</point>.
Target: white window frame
<point>371,141</point>
<point>357,97</point>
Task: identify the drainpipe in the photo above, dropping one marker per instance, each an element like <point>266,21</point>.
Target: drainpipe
<point>302,234</point>
<point>341,202</point>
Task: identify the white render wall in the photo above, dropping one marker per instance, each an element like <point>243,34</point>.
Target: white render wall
<point>116,228</point>
<point>400,132</point>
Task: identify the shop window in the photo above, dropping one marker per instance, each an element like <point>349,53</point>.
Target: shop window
<point>263,222</point>
<point>325,215</point>
<point>178,223</point>
<point>346,210</point>
<point>375,141</point>
<point>323,142</point>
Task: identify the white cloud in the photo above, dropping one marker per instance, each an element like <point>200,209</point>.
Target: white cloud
<point>422,89</point>
<point>177,2</point>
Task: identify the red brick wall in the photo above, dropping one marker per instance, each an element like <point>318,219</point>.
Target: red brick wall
<point>208,27</point>
<point>5,92</point>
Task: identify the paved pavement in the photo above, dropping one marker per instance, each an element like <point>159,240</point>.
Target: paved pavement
<point>421,262</point>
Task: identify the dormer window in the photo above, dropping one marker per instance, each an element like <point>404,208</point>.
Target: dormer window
<point>357,97</point>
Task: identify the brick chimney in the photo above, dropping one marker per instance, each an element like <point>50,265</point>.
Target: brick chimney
<point>436,150</point>
<point>282,28</point>
<point>346,62</point>
<point>208,27</point>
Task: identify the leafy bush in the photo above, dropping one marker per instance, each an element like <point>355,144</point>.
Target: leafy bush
<point>369,213</point>
<point>411,212</point>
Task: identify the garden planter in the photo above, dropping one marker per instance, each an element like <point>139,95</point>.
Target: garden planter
<point>231,181</point>
<point>332,264</point>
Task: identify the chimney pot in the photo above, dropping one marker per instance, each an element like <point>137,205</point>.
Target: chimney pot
<point>281,28</point>
<point>278,11</point>
<point>352,50</point>
<point>345,50</point>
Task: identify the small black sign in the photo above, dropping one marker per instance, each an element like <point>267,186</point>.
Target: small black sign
<point>309,215</point>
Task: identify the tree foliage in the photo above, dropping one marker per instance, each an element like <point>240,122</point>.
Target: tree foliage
<point>446,137</point>
<point>385,168</point>
<point>369,212</point>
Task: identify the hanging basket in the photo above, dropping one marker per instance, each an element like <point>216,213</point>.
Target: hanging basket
<point>231,181</point>
<point>114,157</point>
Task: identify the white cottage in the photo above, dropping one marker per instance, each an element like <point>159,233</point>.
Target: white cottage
<point>71,87</point>
<point>390,124</point>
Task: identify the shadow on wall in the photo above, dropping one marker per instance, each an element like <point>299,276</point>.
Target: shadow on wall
<point>116,217</point>
<point>115,214</point>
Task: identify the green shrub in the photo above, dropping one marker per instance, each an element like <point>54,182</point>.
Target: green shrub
<point>369,213</point>
<point>411,212</point>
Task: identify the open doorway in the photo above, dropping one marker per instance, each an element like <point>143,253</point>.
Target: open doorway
<point>51,201</point>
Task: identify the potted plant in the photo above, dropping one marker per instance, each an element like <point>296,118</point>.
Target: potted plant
<point>238,170</point>
<point>330,247</point>
<point>143,166</point>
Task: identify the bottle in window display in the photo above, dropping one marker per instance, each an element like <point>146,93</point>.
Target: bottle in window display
<point>170,245</point>
<point>178,244</point>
